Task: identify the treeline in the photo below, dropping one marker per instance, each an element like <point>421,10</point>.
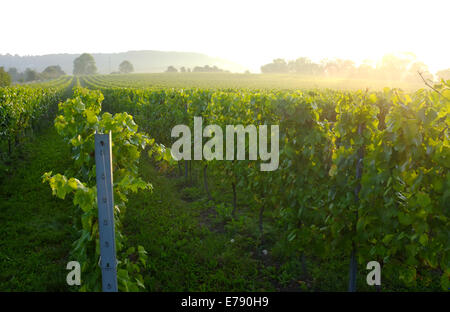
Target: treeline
<point>82,65</point>
<point>14,76</point>
<point>197,69</point>
<point>392,67</point>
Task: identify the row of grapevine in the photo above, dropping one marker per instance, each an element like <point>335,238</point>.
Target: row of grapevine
<point>57,83</point>
<point>362,175</point>
<point>24,109</point>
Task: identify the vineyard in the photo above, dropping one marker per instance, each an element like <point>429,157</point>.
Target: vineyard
<point>240,81</point>
<point>362,176</point>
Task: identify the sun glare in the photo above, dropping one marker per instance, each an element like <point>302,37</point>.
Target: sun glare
<point>248,32</point>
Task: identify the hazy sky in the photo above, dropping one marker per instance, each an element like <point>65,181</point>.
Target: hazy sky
<point>249,32</point>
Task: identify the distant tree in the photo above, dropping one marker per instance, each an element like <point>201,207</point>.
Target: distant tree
<point>84,65</point>
<point>171,69</point>
<point>52,72</point>
<point>182,69</point>
<point>443,74</point>
<point>305,66</point>
<point>31,75</point>
<point>5,78</point>
<point>207,69</point>
<point>395,66</point>
<point>277,66</point>
<point>339,67</point>
<point>365,71</point>
<point>188,70</point>
<point>247,72</point>
<point>415,69</point>
<point>14,74</point>
<point>126,67</point>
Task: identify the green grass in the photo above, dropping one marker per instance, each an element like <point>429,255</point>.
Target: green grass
<point>185,249</point>
<point>35,228</point>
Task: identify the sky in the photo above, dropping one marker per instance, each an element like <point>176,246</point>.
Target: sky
<point>250,33</point>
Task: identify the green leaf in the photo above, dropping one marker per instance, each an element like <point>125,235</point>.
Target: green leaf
<point>445,282</point>
<point>91,116</point>
<point>139,283</point>
<point>73,183</point>
<point>423,239</point>
<point>387,238</point>
<point>404,219</point>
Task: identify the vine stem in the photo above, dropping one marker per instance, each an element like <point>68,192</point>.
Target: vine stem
<point>205,182</point>
<point>359,170</point>
<point>430,86</point>
<point>233,212</point>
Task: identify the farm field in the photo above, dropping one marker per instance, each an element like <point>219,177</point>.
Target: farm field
<point>246,81</point>
<point>362,175</point>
